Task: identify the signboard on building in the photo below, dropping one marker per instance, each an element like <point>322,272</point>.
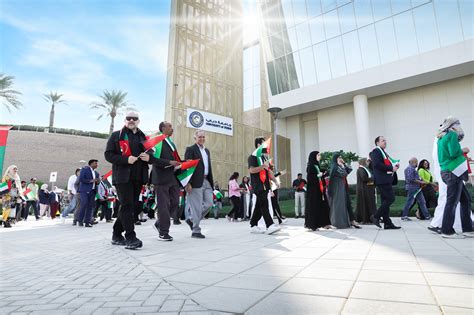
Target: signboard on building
<point>210,122</point>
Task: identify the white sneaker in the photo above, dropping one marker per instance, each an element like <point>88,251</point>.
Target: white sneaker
<point>284,221</point>
<point>273,228</point>
<point>454,235</point>
<point>468,234</point>
<point>256,230</point>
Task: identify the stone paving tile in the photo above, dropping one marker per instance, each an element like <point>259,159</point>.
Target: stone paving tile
<point>233,271</point>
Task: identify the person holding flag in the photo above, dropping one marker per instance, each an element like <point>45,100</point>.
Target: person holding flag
<point>130,172</point>
<point>413,186</point>
<point>165,159</point>
<point>385,175</point>
<point>10,180</point>
<point>260,176</point>
<point>299,185</point>
<point>199,189</point>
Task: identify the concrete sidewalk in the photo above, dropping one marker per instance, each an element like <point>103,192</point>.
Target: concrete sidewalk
<point>50,268</point>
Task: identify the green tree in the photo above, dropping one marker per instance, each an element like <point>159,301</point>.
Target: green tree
<point>54,99</point>
<point>113,103</point>
<point>8,95</point>
<point>326,158</point>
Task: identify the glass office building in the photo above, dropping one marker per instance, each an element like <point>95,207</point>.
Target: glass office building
<point>346,71</point>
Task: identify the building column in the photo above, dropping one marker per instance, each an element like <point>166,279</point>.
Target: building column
<point>361,115</point>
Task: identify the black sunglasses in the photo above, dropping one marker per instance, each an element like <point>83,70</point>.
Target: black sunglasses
<point>131,118</point>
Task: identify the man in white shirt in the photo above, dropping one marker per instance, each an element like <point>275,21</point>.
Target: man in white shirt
<point>72,195</point>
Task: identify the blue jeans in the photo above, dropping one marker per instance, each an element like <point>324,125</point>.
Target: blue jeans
<point>457,192</point>
<point>411,199</point>
<point>72,205</point>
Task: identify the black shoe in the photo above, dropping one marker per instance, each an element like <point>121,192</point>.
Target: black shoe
<point>197,235</point>
<point>118,240</point>
<point>434,229</point>
<point>143,220</point>
<point>138,223</point>
<point>133,243</point>
<point>80,224</point>
<point>176,222</point>
<point>375,221</point>
<point>390,227</point>
<point>190,223</point>
<point>217,218</point>
<point>94,222</point>
<point>74,222</point>
<point>165,237</point>
<point>88,225</point>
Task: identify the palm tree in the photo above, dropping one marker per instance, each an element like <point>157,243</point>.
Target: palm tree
<point>113,103</point>
<point>54,99</point>
<point>7,94</point>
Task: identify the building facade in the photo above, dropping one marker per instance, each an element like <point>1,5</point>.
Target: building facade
<point>346,71</point>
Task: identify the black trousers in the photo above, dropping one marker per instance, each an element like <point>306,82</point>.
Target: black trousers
<point>167,200</point>
<point>235,212</point>
<point>35,205</point>
<point>128,194</point>
<point>261,209</point>
<point>387,196</point>
<point>276,206</point>
<point>457,193</point>
<point>105,211</point>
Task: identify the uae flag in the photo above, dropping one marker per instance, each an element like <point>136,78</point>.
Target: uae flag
<point>4,188</point>
<point>263,148</point>
<point>186,171</point>
<point>28,193</point>
<point>217,194</point>
<point>153,142</point>
<point>3,144</point>
<point>108,177</point>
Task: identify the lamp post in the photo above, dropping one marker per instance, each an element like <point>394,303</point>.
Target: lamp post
<point>275,111</point>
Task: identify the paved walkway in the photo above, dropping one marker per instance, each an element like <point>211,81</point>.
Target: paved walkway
<point>50,268</point>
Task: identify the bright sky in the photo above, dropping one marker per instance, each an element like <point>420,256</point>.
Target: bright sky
<point>79,49</point>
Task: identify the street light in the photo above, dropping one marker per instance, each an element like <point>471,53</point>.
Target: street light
<point>275,111</point>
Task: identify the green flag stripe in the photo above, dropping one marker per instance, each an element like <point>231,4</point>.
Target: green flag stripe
<point>158,148</point>
<point>2,157</point>
<point>186,173</point>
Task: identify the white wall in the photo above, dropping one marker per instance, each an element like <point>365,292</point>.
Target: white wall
<point>408,119</point>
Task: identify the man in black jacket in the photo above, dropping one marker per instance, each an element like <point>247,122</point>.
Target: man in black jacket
<point>199,188</point>
<point>165,182</point>
<point>130,173</point>
<point>385,176</point>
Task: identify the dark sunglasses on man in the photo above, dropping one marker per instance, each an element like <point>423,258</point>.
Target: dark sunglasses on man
<point>131,118</point>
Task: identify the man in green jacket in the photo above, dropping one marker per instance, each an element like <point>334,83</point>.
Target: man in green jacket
<point>453,165</point>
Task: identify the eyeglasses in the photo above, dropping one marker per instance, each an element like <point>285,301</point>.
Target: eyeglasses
<point>131,118</point>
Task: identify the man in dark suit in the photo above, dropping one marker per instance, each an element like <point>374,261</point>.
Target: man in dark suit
<point>88,181</point>
<point>385,176</point>
<point>129,173</point>
<point>199,188</point>
<point>164,181</point>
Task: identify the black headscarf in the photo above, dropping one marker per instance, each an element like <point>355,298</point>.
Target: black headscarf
<point>421,165</point>
<point>334,164</point>
<point>312,160</point>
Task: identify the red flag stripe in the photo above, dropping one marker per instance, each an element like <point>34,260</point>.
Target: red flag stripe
<point>188,164</point>
<point>151,142</point>
<point>107,174</point>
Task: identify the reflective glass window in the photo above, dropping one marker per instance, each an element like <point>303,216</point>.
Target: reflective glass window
<point>415,3</point>
<point>313,7</point>
<point>281,72</point>
<point>327,5</point>
<point>256,96</point>
<point>323,69</point>
<point>352,52</point>
<point>288,12</point>
<point>400,6</point>
<point>331,24</point>
<point>406,35</point>
<point>272,78</point>
<point>449,22</point>
<point>363,12</point>
<point>292,73</point>
<point>466,8</point>
<point>317,29</point>
<point>248,98</point>
<point>426,30</point>
<point>307,66</point>
<point>368,46</point>
<point>342,2</point>
<point>299,10</point>
<point>299,74</point>
<point>336,57</point>
<point>304,37</point>
<point>277,45</point>
<point>347,18</point>
<point>386,40</point>
<point>381,9</point>
<point>293,42</point>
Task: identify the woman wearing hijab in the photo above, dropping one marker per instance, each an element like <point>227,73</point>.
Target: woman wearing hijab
<point>365,192</point>
<point>341,209</point>
<point>317,207</point>
<point>428,189</point>
<point>43,195</point>
<point>10,180</point>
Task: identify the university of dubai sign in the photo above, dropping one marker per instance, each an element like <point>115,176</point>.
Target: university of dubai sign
<point>209,122</point>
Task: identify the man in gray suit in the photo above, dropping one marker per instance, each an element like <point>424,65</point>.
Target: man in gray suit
<point>199,188</point>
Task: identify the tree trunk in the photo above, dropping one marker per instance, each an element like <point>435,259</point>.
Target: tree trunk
<point>111,125</point>
<point>51,117</point>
